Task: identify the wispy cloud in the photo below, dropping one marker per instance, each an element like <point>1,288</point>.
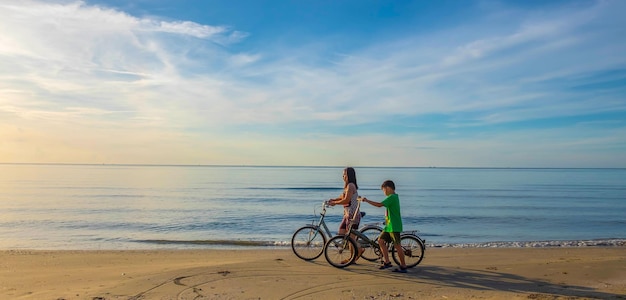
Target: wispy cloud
<point>104,70</point>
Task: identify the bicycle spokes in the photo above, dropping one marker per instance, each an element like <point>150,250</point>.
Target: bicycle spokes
<point>340,251</point>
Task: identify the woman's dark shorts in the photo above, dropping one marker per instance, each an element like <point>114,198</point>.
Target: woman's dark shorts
<point>345,222</point>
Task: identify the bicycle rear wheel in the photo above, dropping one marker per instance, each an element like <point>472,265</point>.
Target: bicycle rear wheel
<point>413,249</point>
<point>370,252</point>
<point>308,242</point>
<point>340,251</point>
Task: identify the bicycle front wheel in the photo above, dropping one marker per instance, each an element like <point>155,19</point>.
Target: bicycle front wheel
<point>370,252</point>
<point>413,249</point>
<point>340,251</point>
<point>308,242</point>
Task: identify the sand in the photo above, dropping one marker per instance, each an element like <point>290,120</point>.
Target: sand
<point>445,273</point>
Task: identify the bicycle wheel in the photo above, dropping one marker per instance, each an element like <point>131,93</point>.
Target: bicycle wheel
<point>413,249</point>
<point>308,242</point>
<point>370,252</point>
<point>340,251</point>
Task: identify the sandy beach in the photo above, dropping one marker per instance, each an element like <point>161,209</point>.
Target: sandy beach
<point>445,273</point>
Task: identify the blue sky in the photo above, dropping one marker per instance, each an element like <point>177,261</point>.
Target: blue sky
<point>360,83</point>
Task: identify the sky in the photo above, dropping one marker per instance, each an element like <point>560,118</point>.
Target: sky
<point>314,83</point>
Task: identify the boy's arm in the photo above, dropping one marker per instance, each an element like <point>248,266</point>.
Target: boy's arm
<point>374,203</point>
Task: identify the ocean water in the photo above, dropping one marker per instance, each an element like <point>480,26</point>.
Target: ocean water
<point>50,206</point>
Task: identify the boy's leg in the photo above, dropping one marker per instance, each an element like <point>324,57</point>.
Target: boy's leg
<point>383,239</point>
<point>395,236</point>
<point>383,250</point>
<point>400,252</point>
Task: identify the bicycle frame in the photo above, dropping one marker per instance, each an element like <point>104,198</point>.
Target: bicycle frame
<point>358,240</point>
<point>323,228</point>
<point>375,244</point>
<point>364,238</point>
<point>321,224</point>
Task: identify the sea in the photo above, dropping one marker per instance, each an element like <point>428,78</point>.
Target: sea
<point>124,207</point>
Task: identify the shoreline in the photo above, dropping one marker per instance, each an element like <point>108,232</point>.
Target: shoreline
<point>445,273</point>
<point>614,242</point>
<point>280,245</point>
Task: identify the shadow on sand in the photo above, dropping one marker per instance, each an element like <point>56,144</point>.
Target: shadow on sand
<point>497,281</point>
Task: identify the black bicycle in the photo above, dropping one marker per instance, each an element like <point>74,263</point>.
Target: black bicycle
<point>342,250</point>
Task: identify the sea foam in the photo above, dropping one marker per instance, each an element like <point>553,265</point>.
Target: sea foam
<point>535,244</point>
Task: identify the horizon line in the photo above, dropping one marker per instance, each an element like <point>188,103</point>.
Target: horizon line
<point>290,166</point>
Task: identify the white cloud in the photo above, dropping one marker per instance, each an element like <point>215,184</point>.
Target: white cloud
<point>96,70</point>
<point>94,46</point>
<point>243,59</point>
<point>184,28</point>
<point>75,55</point>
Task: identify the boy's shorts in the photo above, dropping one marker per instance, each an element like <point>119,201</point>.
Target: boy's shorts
<point>390,237</point>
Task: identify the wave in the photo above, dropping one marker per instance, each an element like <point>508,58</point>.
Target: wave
<point>536,244</point>
<point>503,244</point>
<point>245,243</point>
<point>297,188</point>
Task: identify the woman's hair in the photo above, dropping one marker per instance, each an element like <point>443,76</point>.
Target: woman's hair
<point>351,174</point>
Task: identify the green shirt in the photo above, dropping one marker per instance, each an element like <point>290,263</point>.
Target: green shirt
<point>393,220</point>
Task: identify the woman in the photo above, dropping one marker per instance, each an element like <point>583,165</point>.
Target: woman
<point>348,199</point>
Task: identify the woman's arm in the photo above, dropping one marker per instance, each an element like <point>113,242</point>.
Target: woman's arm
<point>345,197</point>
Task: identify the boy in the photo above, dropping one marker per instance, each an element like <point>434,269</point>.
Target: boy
<point>393,225</point>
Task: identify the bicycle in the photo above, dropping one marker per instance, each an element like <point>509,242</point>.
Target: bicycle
<point>308,241</point>
<point>341,250</point>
